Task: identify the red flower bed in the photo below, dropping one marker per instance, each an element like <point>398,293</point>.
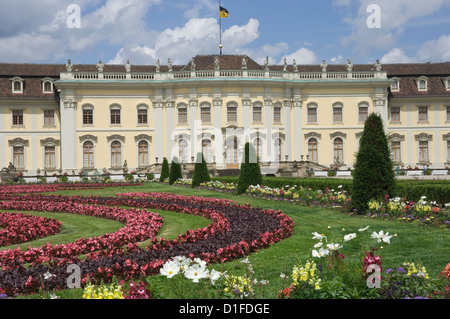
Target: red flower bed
<point>18,228</point>
<point>235,231</point>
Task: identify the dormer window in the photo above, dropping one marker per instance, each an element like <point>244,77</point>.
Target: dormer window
<point>447,83</point>
<point>47,86</point>
<point>17,85</point>
<point>422,84</point>
<point>395,87</point>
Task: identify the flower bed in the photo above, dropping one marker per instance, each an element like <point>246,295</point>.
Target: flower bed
<point>18,228</point>
<point>235,231</point>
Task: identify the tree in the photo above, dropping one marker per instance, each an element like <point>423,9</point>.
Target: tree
<point>165,170</point>
<point>175,171</point>
<point>201,173</point>
<point>250,173</point>
<point>374,176</point>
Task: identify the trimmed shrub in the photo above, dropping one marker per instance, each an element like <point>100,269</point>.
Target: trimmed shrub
<point>165,170</point>
<point>175,171</point>
<point>201,174</point>
<point>250,173</point>
<point>374,175</point>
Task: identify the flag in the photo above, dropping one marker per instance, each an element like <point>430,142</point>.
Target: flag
<point>223,12</point>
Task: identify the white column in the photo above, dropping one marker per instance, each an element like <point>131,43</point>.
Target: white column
<point>2,137</point>
<point>159,142</point>
<point>193,110</point>
<point>68,108</point>
<point>246,105</point>
<point>170,126</point>
<point>218,136</point>
<point>287,125</point>
<point>298,141</point>
<point>269,149</point>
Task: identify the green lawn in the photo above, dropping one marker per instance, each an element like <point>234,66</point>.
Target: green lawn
<point>412,242</point>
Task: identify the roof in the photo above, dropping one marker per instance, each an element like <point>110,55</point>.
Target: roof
<point>33,74</point>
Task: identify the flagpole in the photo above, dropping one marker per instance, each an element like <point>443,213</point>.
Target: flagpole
<point>220,24</point>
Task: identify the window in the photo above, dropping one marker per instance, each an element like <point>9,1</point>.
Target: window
<point>50,157</point>
<point>206,114</point>
<point>396,151</point>
<point>116,154</point>
<point>115,116</point>
<point>17,85</point>
<point>232,114</point>
<point>422,85</point>
<point>312,114</point>
<point>232,153</point>
<point>143,154</point>
<point>277,114</point>
<point>88,155</point>
<point>278,149</point>
<point>423,113</point>
<point>448,151</point>
<point>142,116</point>
<point>182,115</point>
<point>183,151</point>
<point>337,114</point>
<point>338,153</point>
<point>395,114</point>
<point>88,117</point>
<point>17,117</point>
<point>257,114</point>
<point>447,84</point>
<point>363,113</point>
<point>448,114</point>
<point>312,150</point>
<point>206,150</point>
<point>49,118</point>
<point>48,87</point>
<point>423,152</point>
<point>395,87</point>
<point>19,157</point>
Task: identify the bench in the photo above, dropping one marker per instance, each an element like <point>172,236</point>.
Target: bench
<point>31,179</point>
<point>73,179</point>
<point>344,173</point>
<point>414,173</point>
<point>437,172</point>
<point>117,177</point>
<point>321,174</point>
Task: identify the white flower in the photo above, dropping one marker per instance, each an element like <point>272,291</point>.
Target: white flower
<point>318,245</point>
<point>334,246</point>
<point>349,236</point>
<point>363,229</point>
<point>282,275</point>
<point>196,272</point>
<point>381,236</point>
<point>200,262</point>
<point>48,275</point>
<point>318,236</point>
<point>170,269</point>
<point>214,275</point>
<point>321,253</point>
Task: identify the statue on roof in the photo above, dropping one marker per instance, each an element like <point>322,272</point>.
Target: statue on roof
<point>169,63</point>
<point>349,65</point>
<point>324,66</point>
<point>295,66</point>
<point>266,63</point>
<point>285,65</point>
<point>100,66</point>
<point>378,66</point>
<point>69,66</point>
<point>158,66</point>
<point>128,66</point>
<point>216,63</point>
<point>192,64</point>
<point>244,63</point>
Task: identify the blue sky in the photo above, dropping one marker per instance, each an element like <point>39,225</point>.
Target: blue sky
<point>146,30</point>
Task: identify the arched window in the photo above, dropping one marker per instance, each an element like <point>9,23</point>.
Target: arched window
<point>116,154</point>
<point>115,115</point>
<point>232,153</point>
<point>183,152</point>
<point>312,150</point>
<point>143,154</point>
<point>182,115</point>
<point>88,154</point>
<point>338,153</point>
<point>207,151</point>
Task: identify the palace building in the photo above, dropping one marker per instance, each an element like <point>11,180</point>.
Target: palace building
<point>66,118</point>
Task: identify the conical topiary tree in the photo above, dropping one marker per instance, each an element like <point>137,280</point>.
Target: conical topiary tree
<point>250,173</point>
<point>165,170</point>
<point>374,176</point>
<point>175,171</point>
<point>201,174</point>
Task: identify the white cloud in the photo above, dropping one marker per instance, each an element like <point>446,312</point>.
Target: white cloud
<point>338,60</point>
<point>435,50</point>
<point>396,56</point>
<point>301,56</point>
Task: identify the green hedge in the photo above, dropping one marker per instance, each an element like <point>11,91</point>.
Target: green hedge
<point>436,190</point>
